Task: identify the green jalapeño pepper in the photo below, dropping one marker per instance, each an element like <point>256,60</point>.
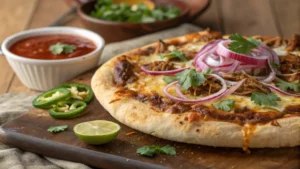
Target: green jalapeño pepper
<point>67,109</point>
<point>79,91</point>
<point>51,97</point>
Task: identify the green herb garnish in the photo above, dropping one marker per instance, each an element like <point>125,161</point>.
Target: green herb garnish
<point>56,129</point>
<point>174,54</point>
<point>241,45</point>
<point>152,150</point>
<point>254,41</point>
<point>208,71</point>
<point>189,78</point>
<point>265,99</point>
<point>275,65</point>
<point>225,105</point>
<point>107,10</point>
<point>59,48</point>
<point>283,85</point>
<point>169,79</point>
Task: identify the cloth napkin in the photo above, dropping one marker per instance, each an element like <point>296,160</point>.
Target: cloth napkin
<point>14,104</point>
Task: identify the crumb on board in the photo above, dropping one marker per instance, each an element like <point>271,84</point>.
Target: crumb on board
<point>130,133</point>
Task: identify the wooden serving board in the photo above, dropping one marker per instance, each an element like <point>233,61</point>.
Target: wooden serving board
<point>29,132</point>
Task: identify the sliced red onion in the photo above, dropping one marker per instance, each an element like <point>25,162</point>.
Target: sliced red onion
<point>203,65</point>
<point>281,91</point>
<point>178,92</point>
<point>231,83</point>
<point>225,52</point>
<point>168,72</point>
<point>206,48</point>
<point>201,100</point>
<point>268,78</point>
<point>235,66</point>
<point>233,88</point>
<point>265,50</point>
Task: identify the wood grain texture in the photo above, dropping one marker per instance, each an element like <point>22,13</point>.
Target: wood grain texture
<point>121,153</point>
<point>247,17</point>
<point>210,18</point>
<point>14,17</point>
<point>6,74</point>
<point>285,13</point>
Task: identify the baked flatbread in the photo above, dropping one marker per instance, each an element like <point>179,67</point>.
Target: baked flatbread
<point>131,88</point>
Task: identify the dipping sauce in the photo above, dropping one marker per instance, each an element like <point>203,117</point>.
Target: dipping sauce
<point>37,47</point>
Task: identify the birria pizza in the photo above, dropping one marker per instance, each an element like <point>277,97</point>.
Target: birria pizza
<point>205,88</point>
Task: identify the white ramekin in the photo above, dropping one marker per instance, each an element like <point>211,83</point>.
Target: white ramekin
<point>43,75</point>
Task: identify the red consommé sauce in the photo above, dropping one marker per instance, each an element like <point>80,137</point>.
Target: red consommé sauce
<point>37,47</point>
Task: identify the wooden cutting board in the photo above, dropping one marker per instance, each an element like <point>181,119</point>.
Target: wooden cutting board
<point>29,132</point>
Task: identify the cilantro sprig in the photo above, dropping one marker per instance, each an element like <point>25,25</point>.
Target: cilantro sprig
<point>225,105</point>
<point>187,78</point>
<point>174,54</point>
<point>153,149</point>
<point>59,48</point>
<point>169,79</point>
<point>242,45</point>
<point>265,99</point>
<point>208,71</point>
<point>56,129</point>
<point>283,85</point>
<point>275,65</point>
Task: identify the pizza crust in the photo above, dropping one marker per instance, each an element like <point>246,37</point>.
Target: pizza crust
<point>142,117</point>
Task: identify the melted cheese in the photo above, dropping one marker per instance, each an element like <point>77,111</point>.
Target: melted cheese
<point>280,51</point>
<point>150,84</point>
<point>297,53</point>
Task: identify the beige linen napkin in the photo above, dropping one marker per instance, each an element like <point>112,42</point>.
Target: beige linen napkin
<point>14,104</point>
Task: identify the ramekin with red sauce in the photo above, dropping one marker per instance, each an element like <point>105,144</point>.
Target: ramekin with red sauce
<point>40,68</point>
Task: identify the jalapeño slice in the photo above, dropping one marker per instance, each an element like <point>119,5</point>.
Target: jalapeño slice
<point>45,100</point>
<point>67,109</point>
<point>79,91</point>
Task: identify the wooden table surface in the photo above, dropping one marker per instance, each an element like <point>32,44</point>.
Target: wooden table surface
<point>264,17</point>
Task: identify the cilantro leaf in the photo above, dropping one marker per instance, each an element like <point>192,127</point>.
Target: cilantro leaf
<point>283,85</point>
<point>265,99</point>
<point>59,48</point>
<point>225,105</point>
<point>254,41</point>
<point>153,149</point>
<point>174,54</point>
<point>55,129</point>
<point>146,151</point>
<point>275,65</point>
<point>169,150</point>
<point>240,44</point>
<point>189,78</point>
<point>208,71</point>
<point>169,79</point>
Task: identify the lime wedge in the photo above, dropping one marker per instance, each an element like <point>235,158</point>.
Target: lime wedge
<point>97,132</point>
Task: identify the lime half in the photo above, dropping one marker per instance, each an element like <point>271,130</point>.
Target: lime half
<point>97,132</point>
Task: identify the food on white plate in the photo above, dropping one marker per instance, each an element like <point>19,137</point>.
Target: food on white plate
<point>205,88</point>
